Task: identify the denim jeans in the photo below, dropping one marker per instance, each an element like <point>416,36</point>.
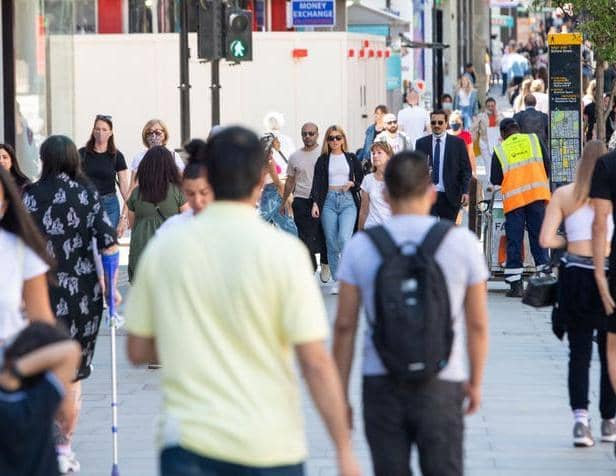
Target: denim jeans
<point>338,219</point>
<point>531,218</point>
<point>269,207</point>
<point>398,415</point>
<point>176,461</point>
<point>467,116</point>
<point>111,205</point>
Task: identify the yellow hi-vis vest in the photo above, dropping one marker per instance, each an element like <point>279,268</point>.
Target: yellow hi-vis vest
<point>524,177</point>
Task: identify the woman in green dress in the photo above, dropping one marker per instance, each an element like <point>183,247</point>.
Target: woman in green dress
<point>156,198</point>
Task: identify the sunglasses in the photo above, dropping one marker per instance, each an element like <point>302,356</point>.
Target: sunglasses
<point>435,123</point>
<point>308,133</point>
<point>392,122</point>
<point>334,138</point>
<point>156,132</point>
<point>104,117</point>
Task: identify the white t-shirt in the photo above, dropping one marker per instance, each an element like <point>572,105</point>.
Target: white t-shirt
<point>134,165</point>
<point>19,264</point>
<point>459,256</point>
<point>378,209</point>
<point>175,220</point>
<point>414,122</point>
<point>398,142</point>
<point>464,98</point>
<point>338,170</point>
<point>543,102</point>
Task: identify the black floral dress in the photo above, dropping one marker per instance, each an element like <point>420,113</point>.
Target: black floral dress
<point>70,216</point>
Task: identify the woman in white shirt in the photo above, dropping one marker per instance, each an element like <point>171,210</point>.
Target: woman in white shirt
<point>336,194</point>
<point>24,265</point>
<point>374,209</point>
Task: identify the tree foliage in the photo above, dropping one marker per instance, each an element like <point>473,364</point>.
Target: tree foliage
<point>596,20</point>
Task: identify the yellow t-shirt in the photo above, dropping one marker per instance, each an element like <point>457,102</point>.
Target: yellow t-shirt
<point>226,297</point>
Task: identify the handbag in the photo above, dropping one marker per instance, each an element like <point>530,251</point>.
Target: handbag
<point>541,291</point>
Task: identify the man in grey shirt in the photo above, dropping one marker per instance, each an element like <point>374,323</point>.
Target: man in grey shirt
<point>300,172</point>
<point>428,414</point>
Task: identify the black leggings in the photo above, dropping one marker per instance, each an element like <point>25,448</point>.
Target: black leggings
<point>582,310</point>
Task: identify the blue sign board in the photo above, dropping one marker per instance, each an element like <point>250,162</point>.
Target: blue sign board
<point>314,13</point>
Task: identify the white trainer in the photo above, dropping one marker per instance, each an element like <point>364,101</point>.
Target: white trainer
<point>68,463</point>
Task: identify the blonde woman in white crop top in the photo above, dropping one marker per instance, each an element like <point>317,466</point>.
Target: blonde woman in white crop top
<point>580,312</point>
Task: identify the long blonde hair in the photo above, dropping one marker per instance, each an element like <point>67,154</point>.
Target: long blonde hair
<point>586,167</point>
<point>465,83</point>
<point>325,149</point>
<point>524,91</point>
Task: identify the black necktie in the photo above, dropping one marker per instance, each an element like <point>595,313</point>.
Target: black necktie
<point>436,161</point>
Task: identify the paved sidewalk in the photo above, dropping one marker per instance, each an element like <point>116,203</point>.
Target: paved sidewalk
<point>523,428</point>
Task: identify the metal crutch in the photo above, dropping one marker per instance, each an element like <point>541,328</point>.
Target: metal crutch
<point>110,267</point>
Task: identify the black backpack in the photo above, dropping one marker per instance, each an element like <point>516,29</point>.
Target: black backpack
<point>413,326</point>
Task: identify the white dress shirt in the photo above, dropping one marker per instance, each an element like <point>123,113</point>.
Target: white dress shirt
<point>440,186</point>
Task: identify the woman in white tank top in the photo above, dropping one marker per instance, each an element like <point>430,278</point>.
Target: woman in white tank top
<point>580,311</point>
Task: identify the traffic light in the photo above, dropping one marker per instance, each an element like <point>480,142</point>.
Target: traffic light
<point>238,35</point>
<point>210,34</point>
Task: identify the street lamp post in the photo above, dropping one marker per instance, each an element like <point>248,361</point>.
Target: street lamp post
<point>184,86</point>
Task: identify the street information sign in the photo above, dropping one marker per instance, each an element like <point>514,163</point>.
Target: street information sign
<point>565,88</point>
<point>306,13</point>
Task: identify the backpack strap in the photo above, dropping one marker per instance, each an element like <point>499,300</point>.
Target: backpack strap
<point>383,241</point>
<point>435,236</point>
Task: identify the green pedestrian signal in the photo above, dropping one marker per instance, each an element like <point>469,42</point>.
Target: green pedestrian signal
<point>238,50</point>
<point>238,34</point>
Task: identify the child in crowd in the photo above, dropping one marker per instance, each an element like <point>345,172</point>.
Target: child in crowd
<point>38,365</point>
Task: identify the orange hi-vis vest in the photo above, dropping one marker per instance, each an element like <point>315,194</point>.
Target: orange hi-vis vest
<point>524,177</point>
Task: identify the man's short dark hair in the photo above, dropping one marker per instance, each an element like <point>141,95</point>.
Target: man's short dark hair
<point>530,100</point>
<point>235,163</point>
<point>508,126</point>
<point>490,99</point>
<point>438,112</point>
<point>407,175</point>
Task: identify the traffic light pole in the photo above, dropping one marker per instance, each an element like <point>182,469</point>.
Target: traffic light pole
<point>184,86</point>
<point>215,87</point>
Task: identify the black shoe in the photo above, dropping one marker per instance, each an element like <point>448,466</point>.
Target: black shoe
<point>517,289</point>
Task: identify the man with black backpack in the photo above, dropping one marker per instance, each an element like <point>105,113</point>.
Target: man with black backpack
<point>421,281</point>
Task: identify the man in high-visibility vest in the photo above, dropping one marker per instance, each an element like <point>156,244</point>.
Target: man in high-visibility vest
<point>521,165</point>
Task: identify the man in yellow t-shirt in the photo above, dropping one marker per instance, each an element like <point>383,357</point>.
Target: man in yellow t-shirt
<point>224,302</point>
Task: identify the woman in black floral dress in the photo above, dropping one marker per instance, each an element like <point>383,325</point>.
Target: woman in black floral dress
<point>68,211</point>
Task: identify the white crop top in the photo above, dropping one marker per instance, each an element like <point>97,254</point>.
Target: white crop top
<point>578,225</point>
<point>338,170</point>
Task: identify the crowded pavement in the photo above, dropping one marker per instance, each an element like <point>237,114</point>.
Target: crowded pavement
<point>428,290</point>
<point>522,427</point>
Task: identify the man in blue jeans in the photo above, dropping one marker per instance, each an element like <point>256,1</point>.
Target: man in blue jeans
<point>428,414</point>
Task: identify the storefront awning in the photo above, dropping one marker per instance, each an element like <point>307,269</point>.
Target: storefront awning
<point>360,14</point>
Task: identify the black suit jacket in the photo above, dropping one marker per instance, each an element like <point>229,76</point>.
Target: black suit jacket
<point>532,121</point>
<point>456,169</point>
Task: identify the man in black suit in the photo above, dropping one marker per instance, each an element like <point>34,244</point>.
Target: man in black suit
<point>532,121</point>
<point>449,165</point>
